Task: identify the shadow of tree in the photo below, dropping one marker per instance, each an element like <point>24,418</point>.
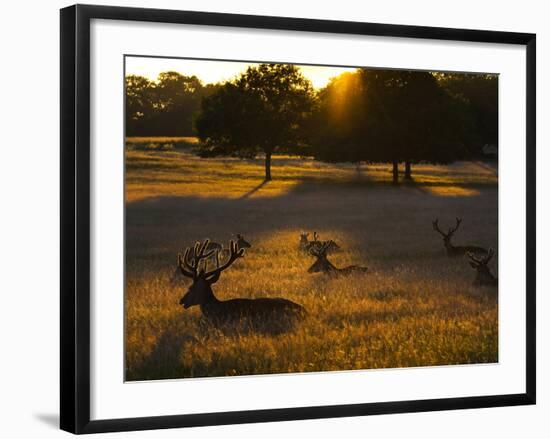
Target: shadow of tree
<point>254,190</point>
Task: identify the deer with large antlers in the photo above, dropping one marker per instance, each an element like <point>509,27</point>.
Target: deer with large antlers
<point>484,277</point>
<point>323,265</point>
<point>270,314</point>
<point>452,250</point>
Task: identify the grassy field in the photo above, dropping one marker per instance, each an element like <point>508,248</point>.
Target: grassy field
<point>415,308</point>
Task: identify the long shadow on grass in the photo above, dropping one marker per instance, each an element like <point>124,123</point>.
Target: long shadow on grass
<point>254,190</point>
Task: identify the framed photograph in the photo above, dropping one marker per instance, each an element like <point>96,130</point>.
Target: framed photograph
<point>268,219</point>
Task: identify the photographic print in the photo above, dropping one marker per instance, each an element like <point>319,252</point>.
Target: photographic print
<point>286,218</point>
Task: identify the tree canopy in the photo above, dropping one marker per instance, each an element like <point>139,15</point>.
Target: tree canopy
<point>165,107</point>
<point>480,93</point>
<point>264,110</point>
<point>389,116</point>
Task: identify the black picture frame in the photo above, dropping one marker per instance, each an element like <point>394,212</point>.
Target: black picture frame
<point>75,217</point>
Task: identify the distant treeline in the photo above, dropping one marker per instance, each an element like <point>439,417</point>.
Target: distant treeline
<point>165,107</point>
<point>370,115</point>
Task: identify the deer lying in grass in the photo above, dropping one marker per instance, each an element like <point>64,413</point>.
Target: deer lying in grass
<point>453,251</point>
<point>265,314</point>
<point>323,265</point>
<point>241,242</point>
<point>484,277</point>
<point>306,245</point>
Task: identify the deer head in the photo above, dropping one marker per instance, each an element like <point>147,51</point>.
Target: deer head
<point>484,275</point>
<point>304,238</point>
<point>241,242</point>
<point>322,264</point>
<point>446,236</point>
<point>200,290</point>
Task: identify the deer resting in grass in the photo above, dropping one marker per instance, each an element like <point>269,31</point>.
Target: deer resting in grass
<point>323,265</point>
<point>484,277</point>
<point>263,314</point>
<point>241,242</point>
<point>453,251</point>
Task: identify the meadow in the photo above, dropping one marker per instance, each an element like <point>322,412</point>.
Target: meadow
<point>416,306</point>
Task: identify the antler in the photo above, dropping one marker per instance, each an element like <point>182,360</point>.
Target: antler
<point>319,251</point>
<point>483,261</point>
<point>234,254</point>
<point>472,258</point>
<point>191,268</point>
<point>183,269</point>
<point>458,221</point>
<point>435,225</point>
<point>489,256</point>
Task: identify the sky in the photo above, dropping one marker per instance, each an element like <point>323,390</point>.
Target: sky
<point>216,71</point>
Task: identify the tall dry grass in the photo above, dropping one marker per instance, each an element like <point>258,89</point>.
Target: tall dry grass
<point>416,308</point>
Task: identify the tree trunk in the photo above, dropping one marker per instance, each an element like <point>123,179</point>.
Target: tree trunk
<point>268,166</point>
<point>395,172</point>
<point>408,173</point>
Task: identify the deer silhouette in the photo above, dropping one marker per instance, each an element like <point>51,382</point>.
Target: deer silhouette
<point>453,251</point>
<point>484,277</point>
<point>323,265</point>
<point>241,242</point>
<point>262,314</point>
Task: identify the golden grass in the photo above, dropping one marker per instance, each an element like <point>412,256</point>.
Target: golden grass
<point>181,173</point>
<point>416,307</point>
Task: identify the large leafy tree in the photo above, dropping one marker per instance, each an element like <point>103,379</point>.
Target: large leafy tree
<point>263,111</point>
<point>391,116</point>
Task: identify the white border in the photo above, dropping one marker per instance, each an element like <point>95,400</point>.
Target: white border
<point>111,398</point>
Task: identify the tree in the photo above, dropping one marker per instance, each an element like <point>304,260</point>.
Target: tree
<point>480,93</point>
<point>262,111</point>
<point>333,127</point>
<point>177,100</point>
<point>392,116</point>
<point>139,103</point>
<point>165,107</point>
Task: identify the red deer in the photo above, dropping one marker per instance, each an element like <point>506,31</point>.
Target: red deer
<point>323,265</point>
<point>484,277</point>
<point>453,251</point>
<point>241,242</point>
<point>263,314</point>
